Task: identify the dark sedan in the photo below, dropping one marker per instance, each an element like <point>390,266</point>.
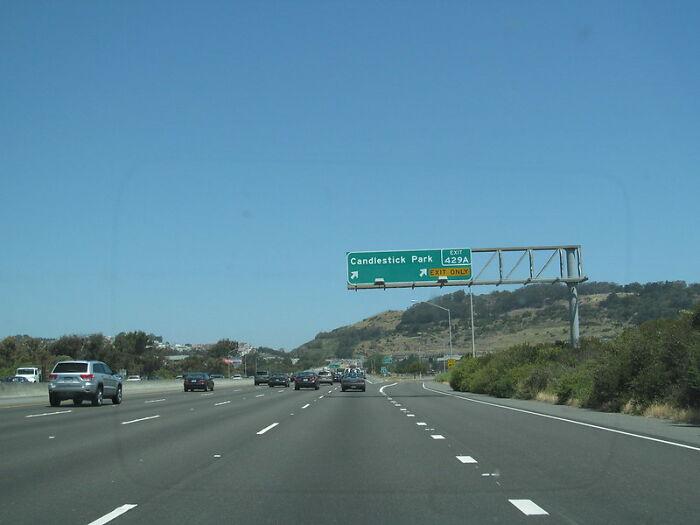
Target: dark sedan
<point>278,379</point>
<point>17,379</point>
<point>198,381</point>
<point>306,380</point>
<point>353,381</point>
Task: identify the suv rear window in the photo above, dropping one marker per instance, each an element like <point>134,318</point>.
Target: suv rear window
<point>262,373</point>
<point>70,368</point>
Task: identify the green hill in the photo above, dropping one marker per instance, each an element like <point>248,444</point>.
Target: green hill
<point>531,314</point>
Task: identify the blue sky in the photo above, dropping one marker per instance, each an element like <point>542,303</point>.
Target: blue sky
<point>199,169</point>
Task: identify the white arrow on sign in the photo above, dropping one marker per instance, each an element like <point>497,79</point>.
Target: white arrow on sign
<point>354,275</point>
<point>423,272</point>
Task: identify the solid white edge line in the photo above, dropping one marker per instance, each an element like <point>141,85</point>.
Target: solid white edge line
<point>306,405</point>
<point>260,433</point>
<point>528,507</point>
<point>137,420</point>
<point>381,390</point>
<point>565,420</point>
<point>49,413</point>
<point>111,515</point>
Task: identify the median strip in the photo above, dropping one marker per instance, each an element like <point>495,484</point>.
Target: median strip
<point>111,515</point>
<point>137,420</point>
<point>49,413</point>
<point>269,427</point>
<point>528,507</point>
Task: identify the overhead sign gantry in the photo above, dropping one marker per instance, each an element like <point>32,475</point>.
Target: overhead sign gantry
<point>455,267</point>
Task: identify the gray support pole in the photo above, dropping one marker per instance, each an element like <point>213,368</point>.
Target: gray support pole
<point>449,325</point>
<point>572,271</point>
<point>471,309</point>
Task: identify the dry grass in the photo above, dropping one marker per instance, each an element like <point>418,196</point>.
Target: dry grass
<point>546,397</point>
<point>666,411</point>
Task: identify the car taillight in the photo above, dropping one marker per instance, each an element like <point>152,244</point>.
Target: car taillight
<point>53,376</point>
<point>87,376</point>
<point>201,381</point>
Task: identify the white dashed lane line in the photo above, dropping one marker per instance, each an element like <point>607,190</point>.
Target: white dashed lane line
<point>222,403</point>
<point>421,423</point>
<point>140,419</point>
<point>49,413</point>
<point>260,395</point>
<point>269,427</point>
<point>528,507</point>
<point>111,515</point>
<point>154,401</point>
<point>306,405</point>
<point>437,436</point>
<point>466,459</point>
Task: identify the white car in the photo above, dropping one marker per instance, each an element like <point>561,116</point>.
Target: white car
<point>237,376</point>
<point>133,378</point>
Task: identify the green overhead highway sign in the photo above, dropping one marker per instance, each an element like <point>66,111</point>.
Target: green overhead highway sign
<point>409,266</point>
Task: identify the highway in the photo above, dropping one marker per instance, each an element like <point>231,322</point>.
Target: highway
<point>406,452</point>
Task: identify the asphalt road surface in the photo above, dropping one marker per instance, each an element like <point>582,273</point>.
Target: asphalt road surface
<point>410,452</point>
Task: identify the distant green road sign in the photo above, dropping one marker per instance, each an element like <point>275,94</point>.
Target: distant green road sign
<point>387,360</point>
<point>334,366</point>
<point>409,266</point>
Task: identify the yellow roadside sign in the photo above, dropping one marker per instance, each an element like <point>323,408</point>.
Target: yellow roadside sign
<point>451,363</point>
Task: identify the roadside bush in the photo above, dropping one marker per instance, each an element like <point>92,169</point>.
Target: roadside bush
<point>575,385</point>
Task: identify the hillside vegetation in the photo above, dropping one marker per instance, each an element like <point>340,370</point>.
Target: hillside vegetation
<point>535,314</point>
<point>651,369</point>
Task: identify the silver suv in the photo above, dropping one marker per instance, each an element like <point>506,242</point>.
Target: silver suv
<point>84,380</point>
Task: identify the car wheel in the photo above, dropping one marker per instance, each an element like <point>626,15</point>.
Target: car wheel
<point>316,387</point>
<point>212,388</point>
<point>117,399</point>
<point>186,389</point>
<point>54,400</point>
<point>97,398</point>
<point>341,388</point>
<point>363,389</point>
<point>77,401</point>
<point>296,387</point>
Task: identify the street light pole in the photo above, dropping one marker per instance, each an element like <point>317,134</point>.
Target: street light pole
<point>449,323</point>
<point>471,309</point>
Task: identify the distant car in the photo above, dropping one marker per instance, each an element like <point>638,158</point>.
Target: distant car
<point>279,378</point>
<point>133,378</point>
<point>17,379</point>
<point>216,376</point>
<point>198,381</point>
<point>353,381</point>
<point>306,380</point>
<point>337,376</point>
<point>236,376</point>
<point>261,376</point>
<point>179,377</point>
<point>84,380</point>
<point>324,376</point>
